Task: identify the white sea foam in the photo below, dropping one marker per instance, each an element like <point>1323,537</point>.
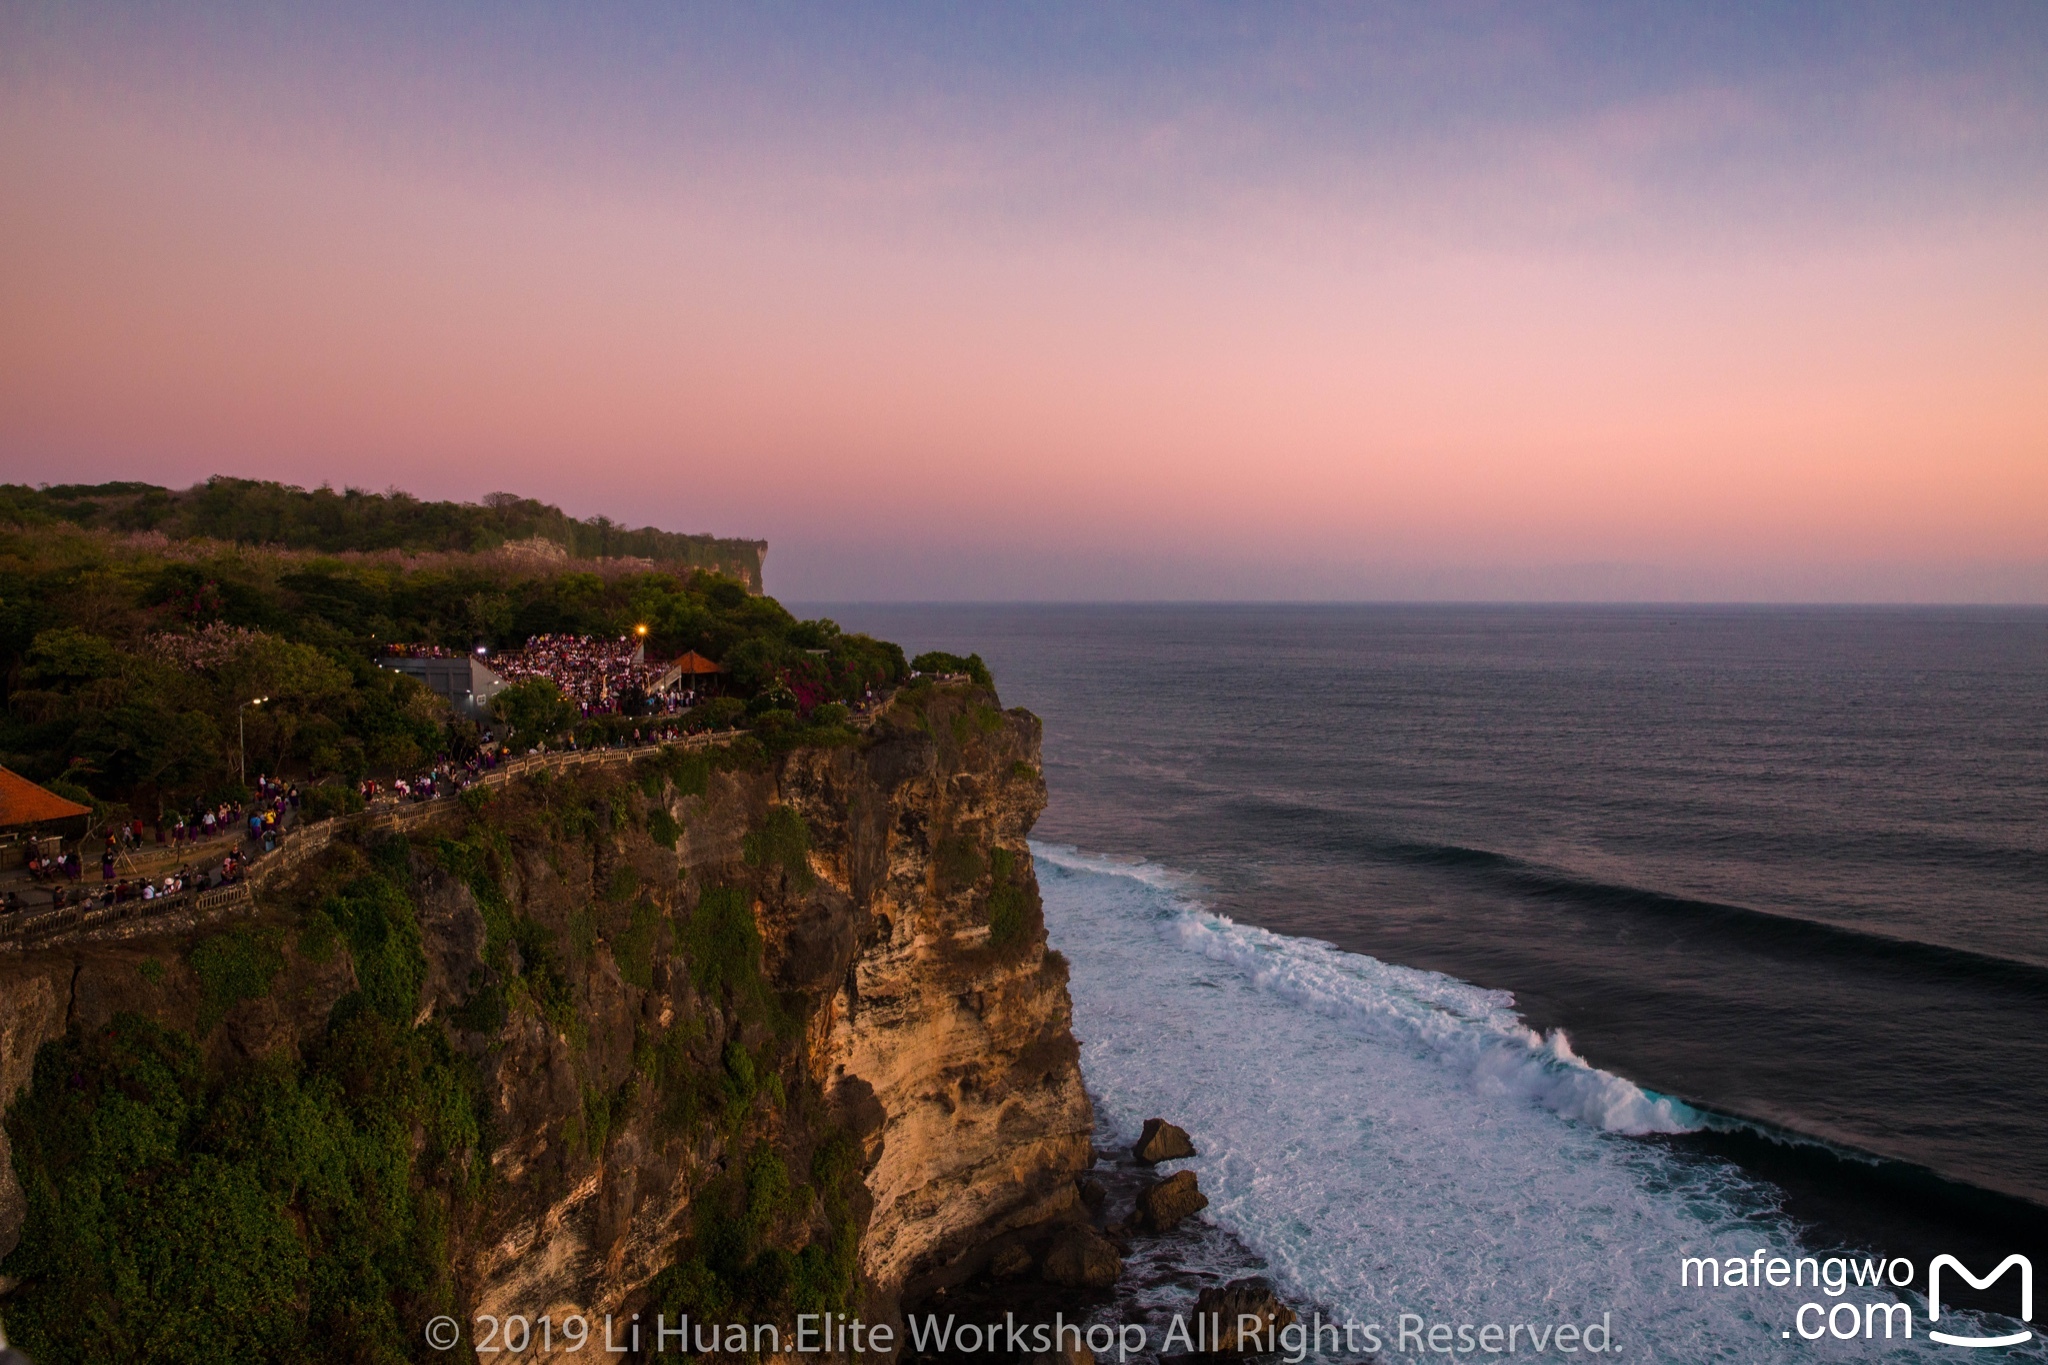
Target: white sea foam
<point>1394,1140</point>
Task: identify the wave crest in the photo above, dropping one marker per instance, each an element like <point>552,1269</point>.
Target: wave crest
<point>1466,1028</point>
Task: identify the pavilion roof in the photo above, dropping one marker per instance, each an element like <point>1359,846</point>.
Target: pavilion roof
<point>22,802</point>
<point>693,662</point>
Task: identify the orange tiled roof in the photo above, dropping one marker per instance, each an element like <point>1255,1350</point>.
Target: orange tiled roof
<point>22,802</point>
<point>693,662</point>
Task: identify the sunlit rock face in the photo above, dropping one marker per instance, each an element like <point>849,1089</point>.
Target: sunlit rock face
<point>905,999</point>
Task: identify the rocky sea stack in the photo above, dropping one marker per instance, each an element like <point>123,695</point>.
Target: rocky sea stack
<point>1162,1141</point>
<point>1163,1203</point>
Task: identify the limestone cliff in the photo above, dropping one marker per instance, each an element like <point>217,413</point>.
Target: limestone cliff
<point>805,994</point>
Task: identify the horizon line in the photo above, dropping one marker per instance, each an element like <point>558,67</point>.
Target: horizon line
<point>1638,604</point>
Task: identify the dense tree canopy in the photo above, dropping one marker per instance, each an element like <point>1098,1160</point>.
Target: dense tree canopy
<point>131,666</point>
<point>255,512</point>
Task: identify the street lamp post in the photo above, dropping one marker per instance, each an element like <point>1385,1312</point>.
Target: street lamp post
<point>242,733</point>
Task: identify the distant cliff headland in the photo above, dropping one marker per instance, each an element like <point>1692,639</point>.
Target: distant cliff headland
<point>253,512</point>
<point>733,1004</point>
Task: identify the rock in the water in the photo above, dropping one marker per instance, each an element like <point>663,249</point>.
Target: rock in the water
<point>1009,1262</point>
<point>1250,1298</point>
<point>1162,1141</point>
<point>1092,1193</point>
<point>1164,1203</point>
<point>1081,1259</point>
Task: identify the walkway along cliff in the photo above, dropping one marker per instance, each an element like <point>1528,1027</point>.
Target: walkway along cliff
<point>729,1032</point>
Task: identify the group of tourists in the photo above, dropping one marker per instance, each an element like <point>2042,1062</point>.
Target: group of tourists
<point>268,811</point>
<point>63,867</point>
<point>445,778</point>
<point>599,676</point>
<point>262,821</point>
<point>63,873</point>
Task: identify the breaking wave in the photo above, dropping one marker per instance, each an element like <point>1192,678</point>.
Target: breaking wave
<point>1392,1140</point>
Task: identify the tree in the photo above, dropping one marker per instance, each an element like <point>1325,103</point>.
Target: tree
<point>532,711</point>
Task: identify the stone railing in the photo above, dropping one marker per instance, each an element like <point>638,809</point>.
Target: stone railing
<point>39,927</point>
<point>36,926</point>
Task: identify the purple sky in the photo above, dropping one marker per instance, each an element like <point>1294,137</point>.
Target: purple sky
<point>1071,300</point>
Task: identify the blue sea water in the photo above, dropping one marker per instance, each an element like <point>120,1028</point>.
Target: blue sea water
<point>1503,955</point>
<point>1396,1142</point>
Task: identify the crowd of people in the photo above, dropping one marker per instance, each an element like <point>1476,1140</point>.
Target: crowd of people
<point>261,821</point>
<point>64,876</point>
<point>269,811</point>
<point>257,825</point>
<point>601,677</point>
<point>446,778</point>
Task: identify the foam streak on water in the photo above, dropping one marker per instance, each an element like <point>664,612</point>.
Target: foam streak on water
<point>1396,1141</point>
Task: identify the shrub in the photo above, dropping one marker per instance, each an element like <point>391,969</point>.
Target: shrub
<point>741,1081</point>
<point>483,1012</point>
<point>724,944</point>
<point>235,966</point>
<point>634,949</point>
<point>720,713</point>
<point>472,859</point>
<point>597,1119</point>
<point>532,711</point>
<point>783,841</point>
<point>1012,904</point>
<point>957,862</point>
<point>376,919</point>
<point>360,1150</point>
<point>938,661</point>
<point>1009,915</point>
<point>691,774</point>
<point>733,1266</point>
<point>775,720</point>
<point>331,799</point>
<point>546,982</point>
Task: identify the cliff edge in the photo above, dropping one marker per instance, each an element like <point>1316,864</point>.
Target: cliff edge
<point>733,1033</point>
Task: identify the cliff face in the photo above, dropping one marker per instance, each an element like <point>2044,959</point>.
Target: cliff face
<point>805,996</point>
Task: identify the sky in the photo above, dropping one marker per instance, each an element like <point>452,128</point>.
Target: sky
<point>1071,301</point>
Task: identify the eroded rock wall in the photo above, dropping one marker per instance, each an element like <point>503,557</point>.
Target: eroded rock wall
<point>944,1043</point>
<point>914,1005</point>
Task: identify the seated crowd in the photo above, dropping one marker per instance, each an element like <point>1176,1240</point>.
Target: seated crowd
<point>66,869</point>
<point>599,676</point>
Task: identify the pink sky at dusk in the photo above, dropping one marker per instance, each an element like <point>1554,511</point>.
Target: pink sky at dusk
<point>990,326</point>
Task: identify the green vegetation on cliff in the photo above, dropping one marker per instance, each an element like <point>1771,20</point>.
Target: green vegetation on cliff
<point>286,1154</point>
<point>293,1208</point>
<point>253,512</point>
<point>190,1202</point>
<point>130,666</point>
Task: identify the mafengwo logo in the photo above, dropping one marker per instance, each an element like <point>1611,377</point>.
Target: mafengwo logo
<point>1934,1270</point>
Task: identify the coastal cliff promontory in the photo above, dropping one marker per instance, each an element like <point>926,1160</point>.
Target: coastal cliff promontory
<point>696,1030</point>
<point>403,930</point>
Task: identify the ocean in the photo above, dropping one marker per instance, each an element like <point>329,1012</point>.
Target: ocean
<point>1502,957</point>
